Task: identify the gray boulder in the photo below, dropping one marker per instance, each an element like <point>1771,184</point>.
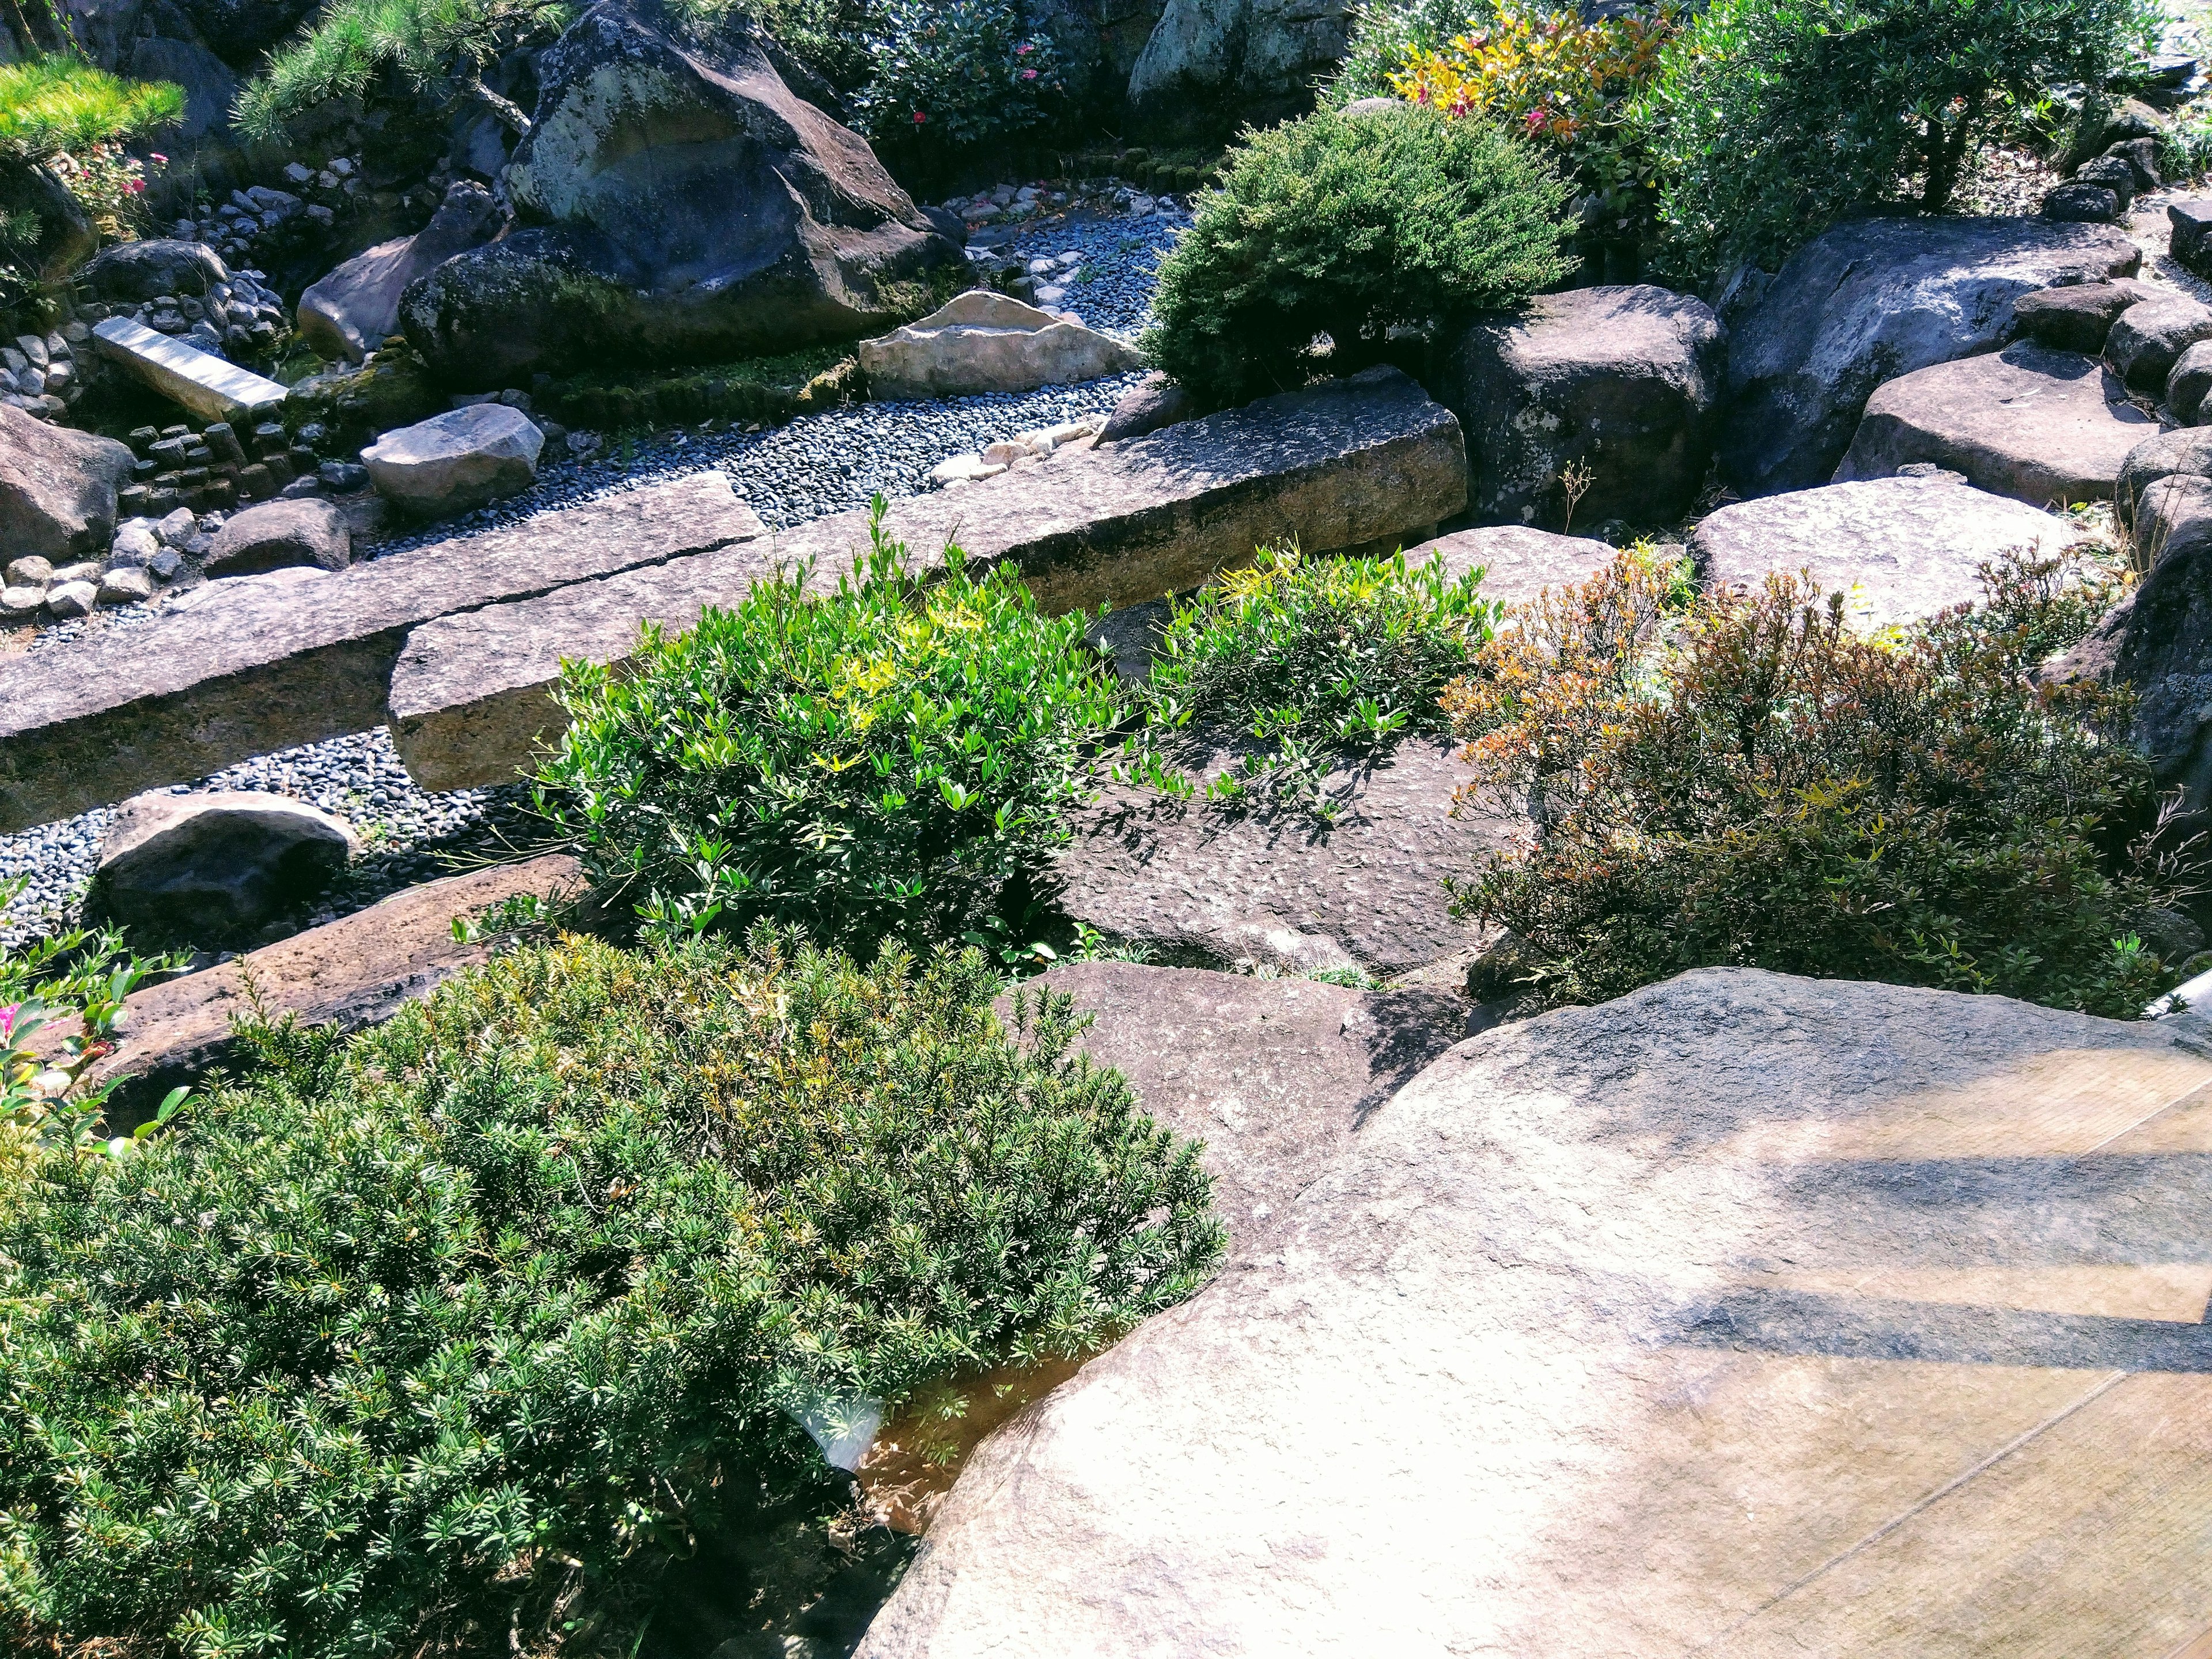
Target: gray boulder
<point>456,462</point>
<point>58,488</point>
<point>2191,225</point>
<point>2041,426</point>
<point>676,202</point>
<point>2109,172</point>
<point>1518,563</point>
<point>1274,886</point>
<point>278,534</point>
<point>1900,549</point>
<point>2188,382</point>
<point>2076,318</point>
<point>1624,381</point>
<point>1873,300</point>
<point>1153,402</point>
<point>213,868</point>
<point>349,312</point>
<point>2187,450</point>
<point>1213,66</point>
<point>2079,201</point>
<point>983,341</point>
<point>1746,1315</point>
<point>138,272</point>
<point>2149,338</point>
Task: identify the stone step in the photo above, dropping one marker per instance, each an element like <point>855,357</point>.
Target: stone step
<point>349,972</point>
<point>203,382</point>
<point>246,665</point>
<point>1370,459</point>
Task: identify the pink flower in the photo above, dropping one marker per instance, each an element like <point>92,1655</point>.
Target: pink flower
<point>919,117</point>
<point>8,1019</point>
<point>135,186</point>
<point>158,156</point>
<point>1029,75</point>
<point>1537,117</point>
<point>1024,49</point>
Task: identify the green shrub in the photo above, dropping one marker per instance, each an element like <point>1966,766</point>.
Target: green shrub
<point>1316,658</point>
<point>891,760</point>
<point>50,106</point>
<point>833,38</point>
<point>449,1336</point>
<point>1768,789</point>
<point>1388,34</point>
<point>1346,226</point>
<point>955,74</point>
<point>1773,120</point>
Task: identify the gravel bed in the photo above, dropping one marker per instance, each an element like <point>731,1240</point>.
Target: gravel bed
<point>815,464</point>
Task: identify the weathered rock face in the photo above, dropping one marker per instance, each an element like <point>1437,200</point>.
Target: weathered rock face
<point>678,201</point>
<point>349,312</point>
<point>2191,223</point>
<point>2188,382</point>
<point>1625,381</point>
<point>2076,318</point>
<point>1341,464</point>
<point>2187,450</point>
<point>1746,1314</point>
<point>1275,887</point>
<point>138,272</point>
<point>243,667</point>
<point>1899,548</point>
<point>213,868</point>
<point>1871,300</point>
<point>1213,66</point>
<point>987,342</point>
<point>1153,402</point>
<point>57,488</point>
<point>1098,43</point>
<point>278,534</point>
<point>2048,428</point>
<point>458,461</point>
<point>1518,563</point>
<point>2148,338</point>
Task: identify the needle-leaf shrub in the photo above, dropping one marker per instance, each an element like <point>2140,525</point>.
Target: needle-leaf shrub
<point>1314,660</point>
<point>1346,226</point>
<point>449,1336</point>
<point>892,759</point>
<point>1762,786</point>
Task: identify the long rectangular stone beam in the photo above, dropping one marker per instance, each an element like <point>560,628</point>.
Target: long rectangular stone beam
<point>1344,465</point>
<point>212,388</point>
<point>251,664</point>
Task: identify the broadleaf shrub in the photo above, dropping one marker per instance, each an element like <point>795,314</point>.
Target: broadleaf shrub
<point>893,759</point>
<point>1765,788</point>
<point>955,74</point>
<point>1345,226</point>
<point>1315,659</point>
<point>1772,119</point>
<point>451,1336</point>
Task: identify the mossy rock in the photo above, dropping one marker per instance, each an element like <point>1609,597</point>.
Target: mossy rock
<point>391,389</point>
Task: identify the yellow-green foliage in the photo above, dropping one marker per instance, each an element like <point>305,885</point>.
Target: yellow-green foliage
<point>51,105</point>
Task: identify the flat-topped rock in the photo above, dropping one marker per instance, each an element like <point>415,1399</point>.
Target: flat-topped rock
<point>456,462</point>
<point>1518,563</point>
<point>1746,1315</point>
<point>2041,426</point>
<point>983,341</point>
<point>1872,299</point>
<point>278,534</point>
<point>201,382</point>
<point>1899,548</point>
<point>213,868</point>
<point>1275,886</point>
<point>1353,463</point>
<point>242,667</point>
<point>57,491</point>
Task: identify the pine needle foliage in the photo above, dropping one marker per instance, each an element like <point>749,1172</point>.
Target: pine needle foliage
<point>891,759</point>
<point>1345,226</point>
<point>1759,786</point>
<point>438,48</point>
<point>50,106</point>
<point>449,1336</point>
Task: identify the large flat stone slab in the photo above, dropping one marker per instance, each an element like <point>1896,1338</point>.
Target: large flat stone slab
<point>1747,1315</point>
<point>262,663</point>
<point>2047,428</point>
<point>1517,562</point>
<point>1899,548</point>
<point>1277,887</point>
<point>1370,459</point>
<point>349,973</point>
<point>203,383</point>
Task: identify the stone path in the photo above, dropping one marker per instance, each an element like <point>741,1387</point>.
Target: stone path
<point>1748,1315</point>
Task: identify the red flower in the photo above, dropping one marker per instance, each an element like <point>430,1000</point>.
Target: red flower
<point>158,156</point>
<point>1537,117</point>
<point>919,117</point>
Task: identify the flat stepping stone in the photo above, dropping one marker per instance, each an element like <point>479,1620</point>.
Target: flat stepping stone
<point>1275,887</point>
<point>203,382</point>
<point>2041,426</point>
<point>245,666</point>
<point>1747,1315</point>
<point>1353,463</point>
<point>1899,548</point>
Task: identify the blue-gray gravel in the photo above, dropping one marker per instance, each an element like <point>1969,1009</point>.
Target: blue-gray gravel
<point>817,464</point>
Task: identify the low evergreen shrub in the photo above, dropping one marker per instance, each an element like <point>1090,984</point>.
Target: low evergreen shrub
<point>1315,659</point>
<point>1346,226</point>
<point>452,1336</point>
<point>892,759</point>
<point>1758,786</point>
<point>1772,119</point>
